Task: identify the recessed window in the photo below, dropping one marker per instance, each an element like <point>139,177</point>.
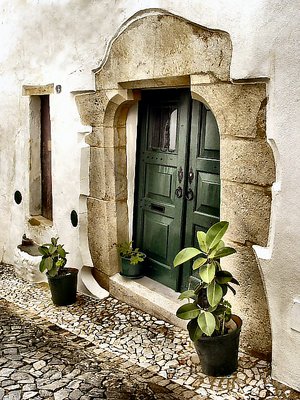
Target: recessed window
<point>40,157</point>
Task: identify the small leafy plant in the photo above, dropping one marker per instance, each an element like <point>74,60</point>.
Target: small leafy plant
<point>207,309</point>
<point>126,250</point>
<point>53,257</point>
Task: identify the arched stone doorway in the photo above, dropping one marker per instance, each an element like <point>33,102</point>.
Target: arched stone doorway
<point>160,51</point>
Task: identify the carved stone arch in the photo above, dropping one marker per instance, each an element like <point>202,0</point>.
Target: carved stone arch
<point>163,50</point>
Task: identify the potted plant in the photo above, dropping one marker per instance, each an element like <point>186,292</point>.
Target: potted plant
<point>213,329</point>
<point>62,281</point>
<point>131,260</point>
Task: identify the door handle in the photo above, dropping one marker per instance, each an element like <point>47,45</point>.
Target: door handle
<point>189,195</point>
<point>191,175</point>
<point>180,174</point>
<point>178,192</point>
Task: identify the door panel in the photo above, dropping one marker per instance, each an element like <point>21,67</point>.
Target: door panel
<point>163,130</point>
<point>203,210</point>
<point>178,184</point>
<point>207,194</point>
<point>160,180</point>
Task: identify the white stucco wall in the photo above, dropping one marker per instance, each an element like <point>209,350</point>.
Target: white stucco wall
<point>61,41</point>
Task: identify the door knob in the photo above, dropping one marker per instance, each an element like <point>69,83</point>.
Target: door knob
<point>191,175</point>
<point>189,195</point>
<point>178,192</point>
<point>180,174</point>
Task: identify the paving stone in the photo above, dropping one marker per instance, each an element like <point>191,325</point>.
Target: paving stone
<point>75,394</point>
<point>22,377</point>
<point>13,395</point>
<point>29,395</point>
<point>6,372</point>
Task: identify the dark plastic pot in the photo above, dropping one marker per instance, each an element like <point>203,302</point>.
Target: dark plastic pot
<point>63,287</point>
<point>129,270</point>
<point>219,354</point>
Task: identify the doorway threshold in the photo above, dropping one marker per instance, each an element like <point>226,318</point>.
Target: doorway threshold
<point>149,296</point>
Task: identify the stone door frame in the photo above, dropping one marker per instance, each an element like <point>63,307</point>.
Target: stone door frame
<point>144,57</point>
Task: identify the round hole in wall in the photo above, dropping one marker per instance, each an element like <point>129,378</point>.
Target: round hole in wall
<point>74,218</point>
<point>18,197</point>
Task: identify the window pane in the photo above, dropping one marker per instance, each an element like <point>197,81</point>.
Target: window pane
<point>163,128</point>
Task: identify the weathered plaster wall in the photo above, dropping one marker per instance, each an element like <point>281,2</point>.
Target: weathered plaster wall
<point>60,42</point>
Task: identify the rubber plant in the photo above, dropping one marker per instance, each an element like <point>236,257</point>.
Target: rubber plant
<point>53,257</point>
<point>62,281</point>
<point>207,309</point>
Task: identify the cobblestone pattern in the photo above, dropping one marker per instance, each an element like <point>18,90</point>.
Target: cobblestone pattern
<point>42,361</point>
<point>137,337</point>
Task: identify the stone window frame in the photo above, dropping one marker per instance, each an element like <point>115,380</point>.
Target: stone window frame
<point>35,93</point>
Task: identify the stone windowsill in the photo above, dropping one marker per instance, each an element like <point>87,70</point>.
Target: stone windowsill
<point>39,220</point>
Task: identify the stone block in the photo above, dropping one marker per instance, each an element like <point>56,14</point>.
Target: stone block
<point>107,225</point>
<point>238,108</point>
<point>99,108</point>
<point>108,178</point>
<point>182,49</point>
<point>91,108</point>
<point>247,208</point>
<point>149,296</point>
<point>84,170</point>
<point>26,266</point>
<point>250,302</point>
<point>170,47</point>
<point>247,161</point>
<point>39,90</point>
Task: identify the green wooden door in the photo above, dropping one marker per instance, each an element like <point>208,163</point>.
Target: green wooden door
<point>177,180</point>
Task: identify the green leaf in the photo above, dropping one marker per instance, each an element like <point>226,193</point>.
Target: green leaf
<point>42,265</point>
<point>188,294</point>
<point>219,246</point>
<point>223,277</point>
<point>43,250</point>
<point>214,293</point>
<point>135,259</point>
<point>199,262</point>
<point>217,323</point>
<point>224,252</point>
<point>201,236</point>
<point>232,289</point>
<point>53,272</point>
<point>52,249</point>
<point>235,281</point>
<point>207,272</point>
<point>207,323</point>
<point>54,241</point>
<point>188,311</point>
<point>185,255</point>
<point>48,263</point>
<point>220,310</point>
<point>61,251</point>
<point>225,289</point>
<point>215,234</point>
<point>194,330</point>
<point>60,263</point>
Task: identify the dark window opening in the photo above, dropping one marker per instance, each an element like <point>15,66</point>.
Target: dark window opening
<point>46,173</point>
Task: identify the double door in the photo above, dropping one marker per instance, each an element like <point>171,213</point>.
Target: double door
<point>177,181</point>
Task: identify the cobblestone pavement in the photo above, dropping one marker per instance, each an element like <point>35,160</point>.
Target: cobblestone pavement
<point>42,361</point>
<point>114,347</point>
